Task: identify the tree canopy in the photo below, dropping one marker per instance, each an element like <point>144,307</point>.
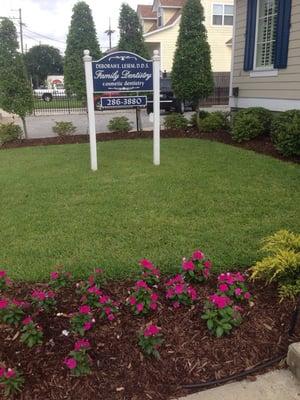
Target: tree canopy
<point>192,77</point>
<point>42,61</point>
<point>15,91</point>
<point>131,32</point>
<point>82,35</point>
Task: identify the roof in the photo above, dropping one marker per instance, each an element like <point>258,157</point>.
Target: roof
<point>171,21</point>
<point>146,11</point>
<point>172,3</point>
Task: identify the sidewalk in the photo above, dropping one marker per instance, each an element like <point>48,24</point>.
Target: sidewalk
<point>275,385</point>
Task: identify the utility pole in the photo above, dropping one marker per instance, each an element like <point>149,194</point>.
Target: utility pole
<point>21,30</point>
<point>109,32</point>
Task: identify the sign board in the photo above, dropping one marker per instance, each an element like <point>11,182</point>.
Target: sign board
<point>122,71</point>
<point>124,102</point>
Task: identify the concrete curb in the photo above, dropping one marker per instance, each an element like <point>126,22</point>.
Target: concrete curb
<point>293,359</point>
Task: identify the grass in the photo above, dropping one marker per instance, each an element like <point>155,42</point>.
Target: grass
<point>205,195</point>
<point>60,103</point>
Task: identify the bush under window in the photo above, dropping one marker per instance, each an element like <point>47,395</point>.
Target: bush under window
<point>250,123</point>
<point>214,122</point>
<point>286,132</point>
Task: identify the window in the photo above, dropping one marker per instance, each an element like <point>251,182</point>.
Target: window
<point>222,14</point>
<point>265,34</point>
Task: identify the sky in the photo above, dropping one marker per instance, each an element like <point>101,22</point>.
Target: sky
<point>47,21</point>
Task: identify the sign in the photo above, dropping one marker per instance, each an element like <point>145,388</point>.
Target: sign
<point>122,71</point>
<point>124,101</point>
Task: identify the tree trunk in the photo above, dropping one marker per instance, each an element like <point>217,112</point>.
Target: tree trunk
<point>24,127</point>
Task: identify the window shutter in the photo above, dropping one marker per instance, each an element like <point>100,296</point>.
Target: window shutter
<point>282,33</point>
<point>250,35</point>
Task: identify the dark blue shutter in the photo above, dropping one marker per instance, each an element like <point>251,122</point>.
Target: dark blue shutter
<point>282,33</point>
<point>250,35</point>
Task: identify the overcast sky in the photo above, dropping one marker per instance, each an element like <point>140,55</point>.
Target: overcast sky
<point>51,18</point>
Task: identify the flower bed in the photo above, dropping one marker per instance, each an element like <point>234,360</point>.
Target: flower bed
<point>136,340</point>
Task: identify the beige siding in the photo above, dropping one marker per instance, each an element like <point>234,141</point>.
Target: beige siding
<point>286,85</point>
<point>147,24</point>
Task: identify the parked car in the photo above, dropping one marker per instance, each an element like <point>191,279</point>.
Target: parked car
<point>48,93</point>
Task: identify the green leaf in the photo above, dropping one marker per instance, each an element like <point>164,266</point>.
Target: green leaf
<point>219,331</point>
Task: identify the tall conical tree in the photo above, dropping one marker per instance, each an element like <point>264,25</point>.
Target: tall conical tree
<point>131,32</point>
<point>82,35</point>
<point>15,92</point>
<point>192,77</point>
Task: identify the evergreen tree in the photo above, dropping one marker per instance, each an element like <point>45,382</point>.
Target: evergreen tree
<point>82,35</point>
<point>15,92</point>
<point>131,32</point>
<point>41,61</point>
<point>192,77</point>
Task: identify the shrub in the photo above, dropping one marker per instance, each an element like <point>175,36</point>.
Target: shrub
<point>176,121</point>
<point>43,300</point>
<point>82,321</point>
<point>32,334</point>
<point>286,132</point>
<point>108,307</point>
<point>150,274</point>
<point>78,361</point>
<point>59,279</point>
<point>197,268</point>
<point>150,340</point>
<point>11,381</point>
<point>10,313</point>
<point>142,299</point>
<point>220,315</point>
<point>282,263</point>
<point>63,128</point>
<point>250,123</point>
<point>119,124</point>
<point>10,132</point>
<point>233,285</point>
<point>214,122</point>
<point>180,292</point>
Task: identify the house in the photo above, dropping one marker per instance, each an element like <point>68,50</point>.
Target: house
<point>161,21</point>
<point>266,55</point>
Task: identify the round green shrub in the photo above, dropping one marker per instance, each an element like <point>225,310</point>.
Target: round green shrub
<point>175,121</point>
<point>10,132</point>
<point>286,132</point>
<point>214,122</point>
<point>119,124</point>
<point>63,128</point>
<point>251,123</point>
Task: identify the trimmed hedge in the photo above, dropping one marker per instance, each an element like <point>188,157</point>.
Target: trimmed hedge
<point>10,132</point>
<point>250,123</point>
<point>175,121</point>
<point>286,132</point>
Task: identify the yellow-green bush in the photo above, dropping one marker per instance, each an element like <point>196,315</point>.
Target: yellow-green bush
<point>281,264</point>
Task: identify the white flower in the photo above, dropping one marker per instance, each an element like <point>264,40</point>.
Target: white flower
<point>93,320</point>
<point>59,314</point>
<point>65,332</point>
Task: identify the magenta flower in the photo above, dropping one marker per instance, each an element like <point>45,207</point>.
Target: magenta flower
<point>3,304</point>
<point>39,295</point>
<point>70,363</point>
<point>146,264</point>
<point>132,300</point>
<point>188,266</point>
<point>82,344</point>
<point>10,373</point>
<point>151,330</point>
<point>198,255</point>
<point>179,288</point>
<point>239,277</point>
<point>111,317</point>
<point>154,296</point>
<point>223,287</point>
<point>87,326</point>
<point>153,306</point>
<point>169,293</point>
<point>140,307</point>
<point>142,284</point>
<point>99,270</point>
<point>94,290</point>
<point>247,295</point>
<point>107,310</point>
<point>238,291</point>
<point>220,301</point>
<point>207,264</point>
<point>91,280</point>
<point>2,273</point>
<point>104,299</point>
<point>84,309</point>
<point>192,293</point>
<point>27,321</point>
<point>54,275</point>
<point>176,304</point>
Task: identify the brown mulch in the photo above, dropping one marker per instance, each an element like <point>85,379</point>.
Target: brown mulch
<point>261,144</point>
<point>189,353</point>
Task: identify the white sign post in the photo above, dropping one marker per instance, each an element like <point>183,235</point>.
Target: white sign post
<point>156,107</point>
<point>90,105</point>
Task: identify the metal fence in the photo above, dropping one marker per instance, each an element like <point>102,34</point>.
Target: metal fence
<point>58,104</point>
<point>220,94</point>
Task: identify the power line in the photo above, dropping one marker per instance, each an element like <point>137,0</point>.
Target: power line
<point>44,36</point>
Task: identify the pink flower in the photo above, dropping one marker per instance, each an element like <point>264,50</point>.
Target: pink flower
<point>84,309</point>
<point>10,373</point>
<point>188,266</point>
<point>50,294</point>
<point>54,275</point>
<point>179,288</point>
<point>146,264</point>
<point>99,270</point>
<point>247,295</point>
<point>176,304</point>
<point>151,330</point>
<point>192,293</point>
<point>239,277</point>
<point>2,273</point>
<point>220,301</point>
<point>154,297</point>
<point>140,307</point>
<point>38,295</point>
<point>238,291</point>
<point>94,290</point>
<point>207,264</point>
<point>111,317</point>
<point>27,321</point>
<point>70,363</point>
<point>82,344</point>
<point>87,326</point>
<point>3,304</point>
<point>206,273</point>
<point>132,300</point>
<point>237,308</point>
<point>142,284</point>
<point>223,287</point>
<point>104,299</point>
<point>107,310</point>
<point>170,293</point>
<point>153,306</point>
<point>198,255</point>
<point>91,280</point>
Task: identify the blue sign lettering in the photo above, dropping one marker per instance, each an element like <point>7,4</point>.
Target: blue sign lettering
<point>122,72</point>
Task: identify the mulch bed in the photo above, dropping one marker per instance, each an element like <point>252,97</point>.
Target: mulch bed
<point>261,144</point>
<point>189,353</point>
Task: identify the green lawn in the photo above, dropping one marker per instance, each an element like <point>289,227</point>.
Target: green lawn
<point>206,195</point>
<point>59,103</point>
